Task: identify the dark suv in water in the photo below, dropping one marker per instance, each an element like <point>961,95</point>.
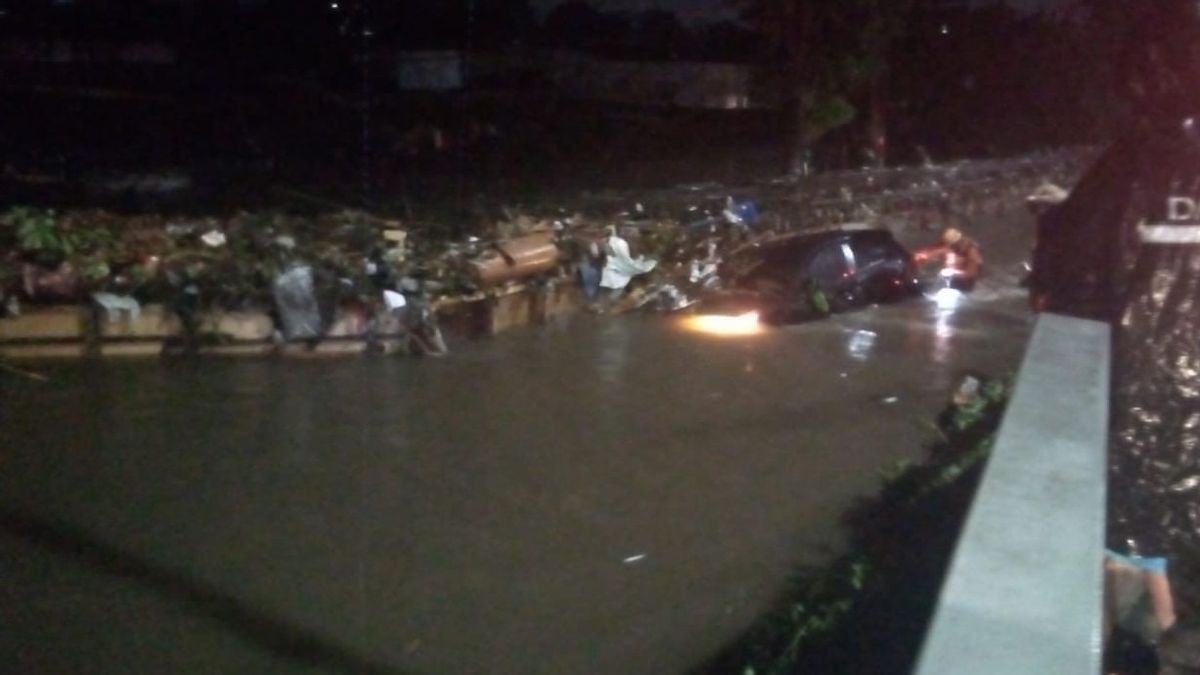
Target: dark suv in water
<point>812,274</point>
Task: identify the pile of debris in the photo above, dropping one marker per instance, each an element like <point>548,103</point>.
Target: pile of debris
<point>303,270</point>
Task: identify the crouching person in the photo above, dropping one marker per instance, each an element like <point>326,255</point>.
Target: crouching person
<point>422,334</point>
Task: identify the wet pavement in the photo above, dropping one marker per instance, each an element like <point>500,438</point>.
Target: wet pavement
<point>600,495</point>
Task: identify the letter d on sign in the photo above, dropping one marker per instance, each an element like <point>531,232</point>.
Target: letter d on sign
<point>1181,208</point>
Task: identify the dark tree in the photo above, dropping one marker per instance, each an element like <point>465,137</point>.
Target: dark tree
<point>92,19</point>
<point>658,34</point>
<point>729,41</point>
<point>827,51</point>
<point>455,24</point>
<point>1152,48</point>
<point>575,24</point>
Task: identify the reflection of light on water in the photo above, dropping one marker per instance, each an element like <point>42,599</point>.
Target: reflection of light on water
<point>724,325</point>
<point>943,331</point>
<point>860,345</point>
<point>947,298</point>
<point>613,351</point>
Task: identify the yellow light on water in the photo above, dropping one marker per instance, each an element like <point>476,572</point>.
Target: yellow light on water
<point>724,325</point>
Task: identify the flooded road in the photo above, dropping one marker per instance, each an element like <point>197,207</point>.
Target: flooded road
<point>600,495</point>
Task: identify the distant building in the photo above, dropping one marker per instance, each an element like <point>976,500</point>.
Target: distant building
<point>697,85</point>
<point>431,71</point>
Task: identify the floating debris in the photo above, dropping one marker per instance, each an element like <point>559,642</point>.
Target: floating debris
<point>213,238</point>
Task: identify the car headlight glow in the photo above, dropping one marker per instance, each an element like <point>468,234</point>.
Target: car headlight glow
<point>725,325</point>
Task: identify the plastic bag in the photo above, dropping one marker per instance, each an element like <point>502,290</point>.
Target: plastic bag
<point>296,302</point>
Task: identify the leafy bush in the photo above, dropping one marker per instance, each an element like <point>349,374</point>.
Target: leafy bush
<point>867,611</point>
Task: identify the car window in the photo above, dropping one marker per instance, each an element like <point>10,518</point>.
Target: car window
<point>828,266</point>
<point>848,256</point>
<point>875,250</point>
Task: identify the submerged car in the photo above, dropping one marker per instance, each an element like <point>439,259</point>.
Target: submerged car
<point>809,275</point>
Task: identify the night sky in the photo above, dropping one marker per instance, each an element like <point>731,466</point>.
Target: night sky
<point>688,10</point>
<point>712,10</point>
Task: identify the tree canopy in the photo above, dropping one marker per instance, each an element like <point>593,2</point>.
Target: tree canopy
<point>825,51</point>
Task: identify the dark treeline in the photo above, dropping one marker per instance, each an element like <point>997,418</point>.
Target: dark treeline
<point>863,81</point>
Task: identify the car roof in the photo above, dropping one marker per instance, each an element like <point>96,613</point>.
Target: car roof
<point>799,243</point>
<point>814,234</point>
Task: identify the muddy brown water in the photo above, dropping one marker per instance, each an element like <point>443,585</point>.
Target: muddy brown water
<point>599,495</point>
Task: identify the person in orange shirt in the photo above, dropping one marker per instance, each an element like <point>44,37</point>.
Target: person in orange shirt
<point>960,255</point>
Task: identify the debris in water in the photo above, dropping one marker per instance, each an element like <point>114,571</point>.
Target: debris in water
<point>620,266</point>
<point>890,399</point>
<point>634,559</point>
<point>393,300</point>
<point>114,304</point>
<point>296,302</point>
<point>213,238</point>
<point>968,392</point>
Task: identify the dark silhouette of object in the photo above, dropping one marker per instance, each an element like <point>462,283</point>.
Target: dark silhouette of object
<point>1125,248</point>
<point>1179,651</point>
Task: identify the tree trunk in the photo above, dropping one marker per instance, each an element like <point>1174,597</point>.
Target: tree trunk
<point>800,144</point>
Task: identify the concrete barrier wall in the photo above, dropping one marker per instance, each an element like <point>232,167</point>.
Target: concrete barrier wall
<point>1024,591</point>
<point>74,332</point>
<point>50,324</point>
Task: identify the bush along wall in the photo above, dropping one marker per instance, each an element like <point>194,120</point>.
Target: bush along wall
<point>868,610</point>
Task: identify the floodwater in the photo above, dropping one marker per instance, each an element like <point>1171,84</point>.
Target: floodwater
<point>600,495</point>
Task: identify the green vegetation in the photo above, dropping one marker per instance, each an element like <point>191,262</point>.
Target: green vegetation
<point>231,262</point>
<point>867,611</point>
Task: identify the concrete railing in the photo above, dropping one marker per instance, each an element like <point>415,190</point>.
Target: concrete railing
<point>1024,590</point>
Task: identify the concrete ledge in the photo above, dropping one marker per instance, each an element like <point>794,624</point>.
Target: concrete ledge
<point>240,326</point>
<point>72,332</point>
<point>348,324</point>
<point>155,321</point>
<point>44,350</point>
<point>239,349</point>
<point>140,348</point>
<point>1024,590</point>
<point>49,323</point>
<point>324,348</point>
